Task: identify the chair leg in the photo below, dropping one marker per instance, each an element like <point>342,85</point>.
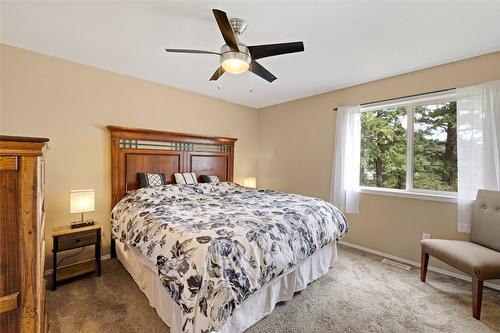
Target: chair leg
<point>424,262</point>
<point>477,297</point>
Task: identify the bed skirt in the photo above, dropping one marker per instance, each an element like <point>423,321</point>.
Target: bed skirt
<point>253,309</point>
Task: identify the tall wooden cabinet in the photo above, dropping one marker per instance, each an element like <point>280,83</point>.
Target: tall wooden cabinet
<point>22,246</point>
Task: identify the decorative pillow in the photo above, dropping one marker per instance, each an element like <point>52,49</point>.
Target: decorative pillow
<point>151,179</point>
<point>185,178</point>
<point>209,179</point>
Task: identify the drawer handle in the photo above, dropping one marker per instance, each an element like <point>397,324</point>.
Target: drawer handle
<point>77,240</point>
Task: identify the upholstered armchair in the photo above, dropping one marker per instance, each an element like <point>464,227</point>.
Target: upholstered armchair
<point>480,257</point>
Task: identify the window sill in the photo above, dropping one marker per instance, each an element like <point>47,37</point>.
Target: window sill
<point>441,197</point>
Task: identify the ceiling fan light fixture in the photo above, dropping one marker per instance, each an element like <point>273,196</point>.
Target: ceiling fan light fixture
<point>235,66</point>
<point>235,62</point>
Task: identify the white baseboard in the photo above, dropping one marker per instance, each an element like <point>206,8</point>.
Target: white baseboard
<point>417,264</point>
<point>104,257</point>
<point>384,255</point>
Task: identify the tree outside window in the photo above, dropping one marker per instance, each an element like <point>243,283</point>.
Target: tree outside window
<point>412,147</point>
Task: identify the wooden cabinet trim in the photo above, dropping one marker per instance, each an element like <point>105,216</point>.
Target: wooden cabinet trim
<point>22,138</point>
<point>28,242</point>
<point>21,148</point>
<point>9,302</point>
<point>8,162</point>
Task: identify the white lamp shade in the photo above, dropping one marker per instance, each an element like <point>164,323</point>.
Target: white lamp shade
<point>82,201</point>
<point>250,182</point>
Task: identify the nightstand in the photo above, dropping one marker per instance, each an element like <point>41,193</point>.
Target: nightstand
<point>64,239</point>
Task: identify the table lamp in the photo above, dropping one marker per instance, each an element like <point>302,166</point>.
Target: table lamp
<point>250,182</point>
<point>82,201</point>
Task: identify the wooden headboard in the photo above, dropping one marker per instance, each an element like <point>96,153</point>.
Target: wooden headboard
<point>140,150</point>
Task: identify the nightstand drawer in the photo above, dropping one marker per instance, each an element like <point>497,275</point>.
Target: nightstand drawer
<point>71,241</point>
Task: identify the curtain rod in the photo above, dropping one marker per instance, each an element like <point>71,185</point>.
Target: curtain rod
<point>395,98</point>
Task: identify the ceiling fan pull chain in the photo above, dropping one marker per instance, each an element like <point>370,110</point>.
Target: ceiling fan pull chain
<point>219,87</point>
<point>252,79</point>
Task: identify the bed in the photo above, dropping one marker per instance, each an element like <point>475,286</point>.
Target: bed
<point>212,257</point>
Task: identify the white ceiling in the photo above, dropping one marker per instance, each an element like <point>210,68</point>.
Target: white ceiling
<point>346,42</point>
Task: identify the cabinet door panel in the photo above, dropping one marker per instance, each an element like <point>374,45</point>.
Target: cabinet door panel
<point>10,272</point>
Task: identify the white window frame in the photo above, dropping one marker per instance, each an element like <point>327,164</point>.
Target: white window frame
<point>411,103</point>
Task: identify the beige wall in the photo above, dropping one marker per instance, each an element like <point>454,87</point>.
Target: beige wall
<point>71,104</point>
<point>296,144</point>
<point>292,143</point>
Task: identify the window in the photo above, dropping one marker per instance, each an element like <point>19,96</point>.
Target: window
<point>410,145</point>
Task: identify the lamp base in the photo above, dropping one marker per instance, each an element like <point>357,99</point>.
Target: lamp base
<point>81,224</point>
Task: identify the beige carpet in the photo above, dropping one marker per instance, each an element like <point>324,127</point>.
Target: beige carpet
<point>360,294</point>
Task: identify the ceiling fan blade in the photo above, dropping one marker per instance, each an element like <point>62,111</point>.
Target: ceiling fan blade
<point>269,50</point>
<point>218,73</point>
<point>191,51</point>
<point>225,29</point>
<point>257,69</point>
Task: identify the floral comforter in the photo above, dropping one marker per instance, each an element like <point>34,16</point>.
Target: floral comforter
<point>216,244</point>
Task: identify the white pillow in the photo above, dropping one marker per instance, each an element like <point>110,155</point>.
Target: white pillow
<point>214,179</point>
<point>185,178</point>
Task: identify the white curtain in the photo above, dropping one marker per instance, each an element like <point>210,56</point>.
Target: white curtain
<point>344,190</point>
<point>478,145</point>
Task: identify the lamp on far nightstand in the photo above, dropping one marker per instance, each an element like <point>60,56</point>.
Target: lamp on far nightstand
<point>250,182</point>
<point>82,201</point>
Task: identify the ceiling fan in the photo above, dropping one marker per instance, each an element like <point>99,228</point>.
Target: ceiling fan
<point>236,57</point>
